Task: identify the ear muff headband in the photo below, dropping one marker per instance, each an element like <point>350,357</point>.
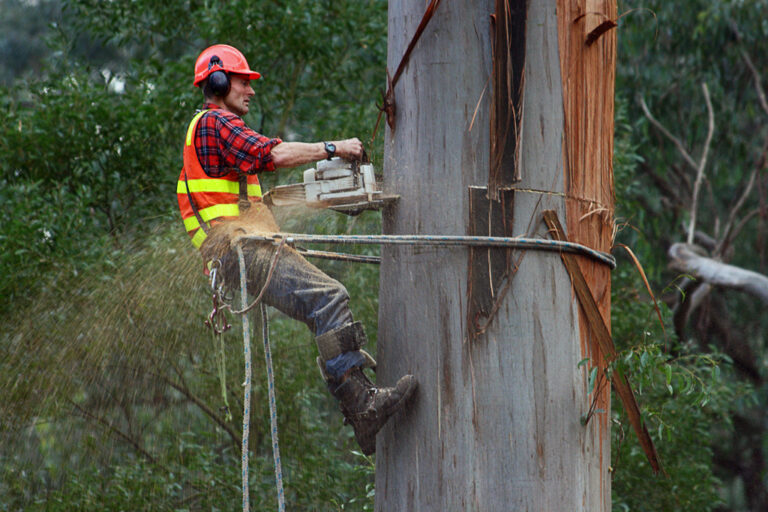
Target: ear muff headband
<point>218,81</point>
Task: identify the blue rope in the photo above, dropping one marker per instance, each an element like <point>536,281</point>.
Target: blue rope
<point>540,244</point>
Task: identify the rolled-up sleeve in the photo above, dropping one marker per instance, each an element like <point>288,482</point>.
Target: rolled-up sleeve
<point>224,143</point>
<point>244,149</point>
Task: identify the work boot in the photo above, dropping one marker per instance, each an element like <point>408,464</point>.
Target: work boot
<point>367,408</point>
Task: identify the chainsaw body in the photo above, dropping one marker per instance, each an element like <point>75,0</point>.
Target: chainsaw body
<point>337,184</point>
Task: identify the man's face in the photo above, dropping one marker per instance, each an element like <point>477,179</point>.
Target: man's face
<point>239,95</point>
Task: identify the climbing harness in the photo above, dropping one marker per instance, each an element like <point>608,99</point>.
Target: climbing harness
<point>272,265</point>
<point>218,324</point>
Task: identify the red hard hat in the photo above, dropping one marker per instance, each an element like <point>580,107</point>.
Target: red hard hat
<point>229,59</point>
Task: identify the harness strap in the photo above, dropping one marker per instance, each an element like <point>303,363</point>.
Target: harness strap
<point>203,225</point>
<point>243,203</point>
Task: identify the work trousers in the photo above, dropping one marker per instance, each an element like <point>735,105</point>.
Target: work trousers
<point>297,288</point>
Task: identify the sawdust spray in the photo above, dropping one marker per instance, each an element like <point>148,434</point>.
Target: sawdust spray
<point>94,348</point>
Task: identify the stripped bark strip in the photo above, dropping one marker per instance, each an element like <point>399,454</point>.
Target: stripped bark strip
<point>604,340</point>
<point>508,36</point>
<point>588,75</point>
<point>600,30</point>
<point>388,98</point>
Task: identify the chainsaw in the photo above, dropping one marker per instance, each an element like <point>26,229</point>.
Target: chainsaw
<point>348,187</point>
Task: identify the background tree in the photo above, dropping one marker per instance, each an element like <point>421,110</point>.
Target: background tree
<point>691,77</point>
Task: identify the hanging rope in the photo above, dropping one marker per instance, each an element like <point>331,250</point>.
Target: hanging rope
<point>272,265</point>
<point>272,410</point>
<point>218,324</point>
<point>270,378</point>
<point>247,383</point>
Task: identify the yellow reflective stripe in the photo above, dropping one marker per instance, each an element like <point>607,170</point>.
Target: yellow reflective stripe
<point>208,185</point>
<point>191,129</point>
<point>216,185</point>
<point>197,240</point>
<point>212,212</point>
<point>191,223</point>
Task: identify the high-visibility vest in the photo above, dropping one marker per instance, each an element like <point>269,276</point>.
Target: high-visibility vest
<point>215,198</point>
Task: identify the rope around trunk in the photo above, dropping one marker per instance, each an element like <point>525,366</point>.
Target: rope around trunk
<point>539,244</point>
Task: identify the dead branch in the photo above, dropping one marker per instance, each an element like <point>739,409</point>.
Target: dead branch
<point>702,162</point>
<point>703,239</point>
<point>686,258</point>
<point>730,224</point>
<point>116,432</point>
<point>234,436</point>
<point>756,77</point>
<point>679,145</point>
<point>697,166</point>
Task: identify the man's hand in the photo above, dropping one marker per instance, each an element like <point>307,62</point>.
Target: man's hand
<point>349,149</point>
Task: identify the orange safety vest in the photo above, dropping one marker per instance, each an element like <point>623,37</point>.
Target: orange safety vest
<point>215,198</point>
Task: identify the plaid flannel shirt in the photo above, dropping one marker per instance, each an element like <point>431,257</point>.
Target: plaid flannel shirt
<point>224,144</point>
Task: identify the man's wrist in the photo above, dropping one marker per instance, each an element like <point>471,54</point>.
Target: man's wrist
<point>330,149</point>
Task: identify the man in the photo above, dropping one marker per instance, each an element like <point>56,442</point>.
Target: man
<point>219,194</point>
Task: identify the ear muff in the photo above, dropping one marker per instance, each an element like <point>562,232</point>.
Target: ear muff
<point>218,81</point>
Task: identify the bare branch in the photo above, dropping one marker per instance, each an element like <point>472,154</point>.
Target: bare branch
<point>679,145</point>
<point>236,440</point>
<point>115,431</point>
<point>757,79</point>
<point>725,241</point>
<point>685,258</point>
<point>744,221</point>
<point>702,162</point>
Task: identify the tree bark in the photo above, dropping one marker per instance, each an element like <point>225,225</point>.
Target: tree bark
<point>496,423</point>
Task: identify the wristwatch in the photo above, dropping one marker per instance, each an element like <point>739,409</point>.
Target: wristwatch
<point>330,148</point>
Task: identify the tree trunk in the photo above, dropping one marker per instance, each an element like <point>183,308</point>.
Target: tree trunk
<point>496,423</point>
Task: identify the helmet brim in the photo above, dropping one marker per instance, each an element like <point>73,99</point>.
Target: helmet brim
<point>250,74</point>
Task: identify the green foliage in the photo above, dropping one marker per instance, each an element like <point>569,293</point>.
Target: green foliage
<point>686,395</point>
<point>667,50</point>
<point>685,400</point>
<point>110,381</point>
<point>22,46</point>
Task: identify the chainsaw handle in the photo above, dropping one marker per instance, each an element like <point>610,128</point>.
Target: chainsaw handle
<point>356,163</point>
